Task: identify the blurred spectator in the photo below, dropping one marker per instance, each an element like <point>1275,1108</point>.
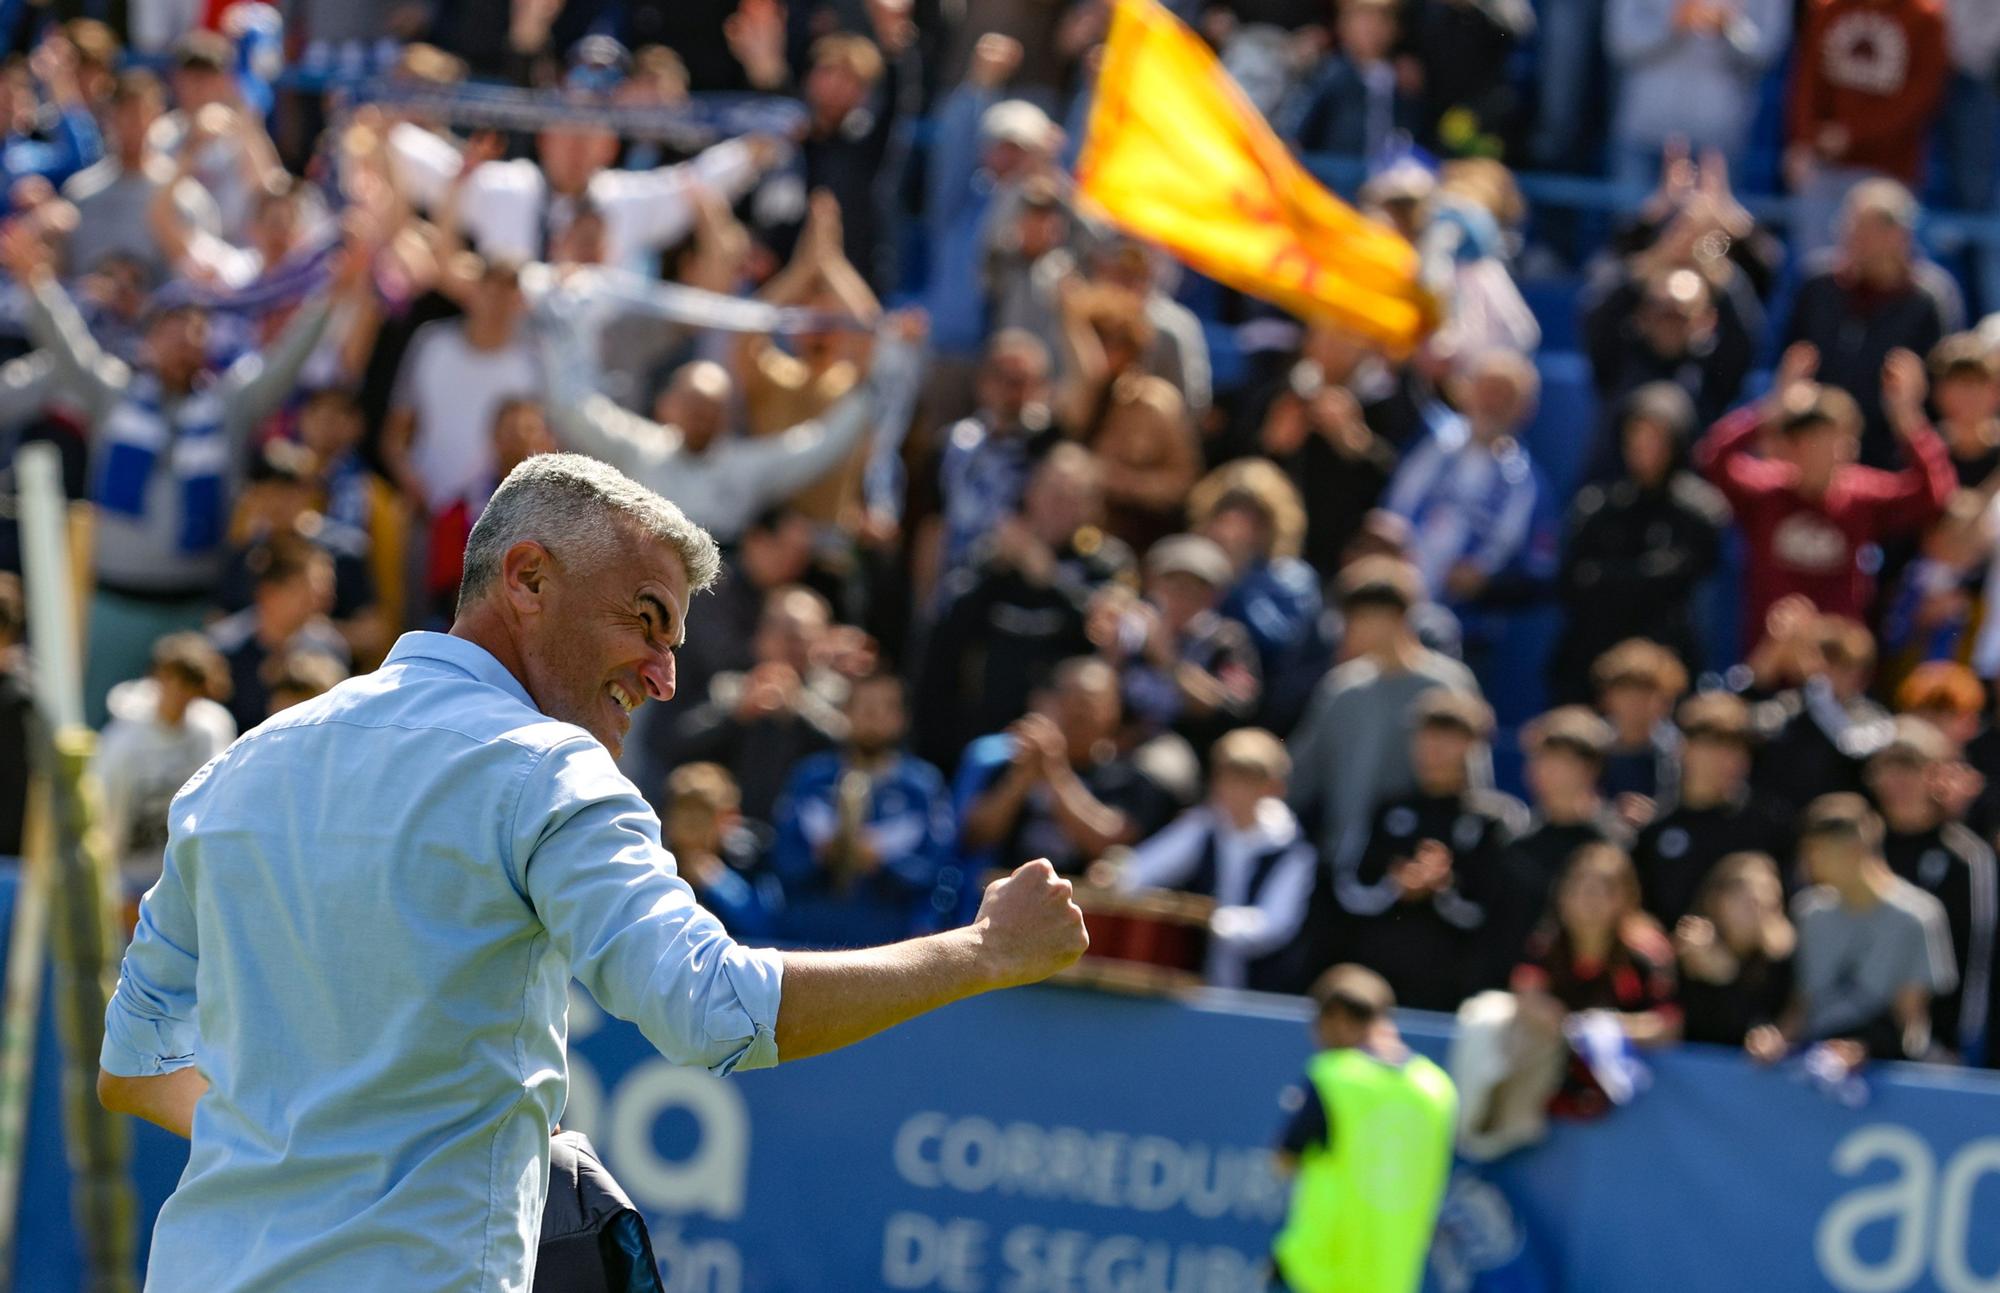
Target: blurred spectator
<point>1809,514</point>
<point>1965,388</point>
<point>1335,422</point>
<point>234,159</point>
<point>1174,347</point>
<point>1930,609</point>
<point>1464,49</point>
<point>1878,296</point>
<point>1874,950</point>
<point>1653,323</point>
<point>851,93</point>
<point>1353,102</point>
<point>1925,844</point>
<point>1465,234</point>
<point>1469,488</point>
<point>351,494</point>
<point>775,551</point>
<point>1638,549</point>
<point>1637,684</point>
<point>1972,36</point>
<point>16,709</point>
<point>158,540</point>
<point>114,197</point>
<point>1566,749</point>
<point>762,721</point>
<point>1055,784</point>
<point>292,590</point>
<point>987,457</point>
<point>1598,952</point>
<point>687,451</point>
<point>76,143</point>
<point>1253,512</point>
<point>1735,950</point>
<point>437,441</point>
<point>1352,747</point>
<point>277,499</point>
<point>1185,668</point>
<point>1866,87</point>
<point>1243,848</point>
<point>782,390</point>
<point>511,210</point>
<point>1949,697</point>
<point>715,851</point>
<point>1820,730</point>
<point>863,832</point>
<point>300,675</point>
<point>519,430</point>
<point>982,151</point>
<point>1021,610</point>
<point>163,727</point>
<point>1027,261</point>
<point>1135,422</point>
<point>1691,72</point>
<point>1714,812</point>
<point>1423,888</point>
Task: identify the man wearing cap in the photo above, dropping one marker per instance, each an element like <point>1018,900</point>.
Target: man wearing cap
<point>1186,669</point>
<point>984,149</point>
<point>1422,885</point>
<point>1927,846</point>
<point>1352,747</point>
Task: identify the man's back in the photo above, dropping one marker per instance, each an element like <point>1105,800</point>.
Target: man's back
<point>352,945</point>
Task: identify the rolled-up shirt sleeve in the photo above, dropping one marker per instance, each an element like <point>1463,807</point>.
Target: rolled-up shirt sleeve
<point>588,856</point>
<point>149,1027</point>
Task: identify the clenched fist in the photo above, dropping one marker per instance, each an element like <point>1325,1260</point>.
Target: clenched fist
<point>1029,928</point>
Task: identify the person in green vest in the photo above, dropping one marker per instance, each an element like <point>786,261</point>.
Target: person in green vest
<point>1370,1144</point>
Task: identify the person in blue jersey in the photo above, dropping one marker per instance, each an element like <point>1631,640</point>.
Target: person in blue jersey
<point>350,987</point>
<point>863,831</point>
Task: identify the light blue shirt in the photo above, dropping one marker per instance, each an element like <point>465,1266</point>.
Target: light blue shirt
<point>371,910</point>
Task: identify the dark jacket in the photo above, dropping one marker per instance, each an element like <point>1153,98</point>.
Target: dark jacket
<point>593,1239</point>
<point>1630,569</point>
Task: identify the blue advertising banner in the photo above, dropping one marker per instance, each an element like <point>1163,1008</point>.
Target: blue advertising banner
<point>1060,1141</point>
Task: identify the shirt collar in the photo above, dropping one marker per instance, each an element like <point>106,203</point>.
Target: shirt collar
<point>466,657</point>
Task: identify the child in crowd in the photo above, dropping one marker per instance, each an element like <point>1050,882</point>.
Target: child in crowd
<point>1599,952</point>
<point>715,851</point>
<point>1637,684</point>
<point>1874,950</point>
<point>1243,848</point>
<point>1735,950</point>
<point>163,727</point>
<point>1965,388</point>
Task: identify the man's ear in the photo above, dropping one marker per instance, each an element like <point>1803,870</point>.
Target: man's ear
<point>525,575</point>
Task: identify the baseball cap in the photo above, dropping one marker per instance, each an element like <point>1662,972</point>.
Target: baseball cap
<point>1191,554</point>
<point>1018,122</point>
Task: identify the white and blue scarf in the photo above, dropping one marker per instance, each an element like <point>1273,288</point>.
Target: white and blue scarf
<point>136,433</point>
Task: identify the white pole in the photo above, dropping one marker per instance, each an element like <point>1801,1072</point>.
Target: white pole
<point>45,565</point>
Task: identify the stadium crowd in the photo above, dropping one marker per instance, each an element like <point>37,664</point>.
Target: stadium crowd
<point>1072,553</point>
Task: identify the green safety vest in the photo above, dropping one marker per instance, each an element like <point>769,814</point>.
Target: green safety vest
<point>1364,1205</point>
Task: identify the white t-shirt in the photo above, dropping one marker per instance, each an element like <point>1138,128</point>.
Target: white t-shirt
<point>142,763</point>
<point>455,390</point>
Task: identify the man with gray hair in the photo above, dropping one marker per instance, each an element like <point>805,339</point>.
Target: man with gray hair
<point>350,986</point>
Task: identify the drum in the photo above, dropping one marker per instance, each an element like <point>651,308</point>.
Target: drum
<point>1152,942</point>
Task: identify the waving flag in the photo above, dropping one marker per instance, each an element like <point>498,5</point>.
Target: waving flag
<point>1174,153</point>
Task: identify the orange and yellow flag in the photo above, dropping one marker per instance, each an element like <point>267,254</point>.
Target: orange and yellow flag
<point>1175,154</point>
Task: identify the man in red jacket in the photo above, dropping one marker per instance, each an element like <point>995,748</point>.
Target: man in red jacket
<point>1866,89</point>
<point>1809,513</point>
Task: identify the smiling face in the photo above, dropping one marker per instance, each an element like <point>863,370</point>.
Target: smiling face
<point>598,639</point>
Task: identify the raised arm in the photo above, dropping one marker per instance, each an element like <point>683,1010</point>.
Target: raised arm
<point>585,419</point>
<point>1027,929</point>
<point>258,385</point>
<point>80,365</point>
<point>788,462</point>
